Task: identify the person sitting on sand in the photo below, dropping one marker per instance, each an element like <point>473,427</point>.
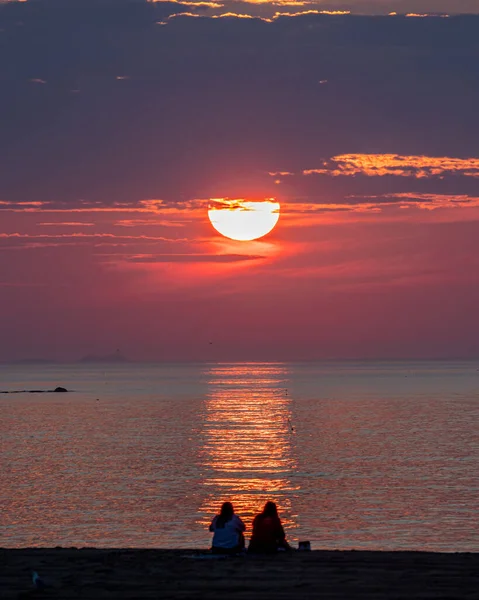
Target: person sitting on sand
<point>228,531</point>
<point>268,533</point>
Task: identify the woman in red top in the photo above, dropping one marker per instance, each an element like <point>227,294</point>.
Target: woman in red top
<point>268,533</point>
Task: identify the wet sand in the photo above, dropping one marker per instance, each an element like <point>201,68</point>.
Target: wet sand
<point>182,574</point>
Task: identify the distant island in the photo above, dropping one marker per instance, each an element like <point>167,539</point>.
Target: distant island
<point>31,361</point>
<point>116,357</point>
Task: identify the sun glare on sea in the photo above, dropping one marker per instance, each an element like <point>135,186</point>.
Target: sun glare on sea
<point>243,220</point>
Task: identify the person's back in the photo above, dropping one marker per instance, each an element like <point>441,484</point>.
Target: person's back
<point>268,533</point>
<point>228,531</point>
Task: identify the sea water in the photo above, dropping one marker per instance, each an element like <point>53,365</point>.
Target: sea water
<point>380,456</point>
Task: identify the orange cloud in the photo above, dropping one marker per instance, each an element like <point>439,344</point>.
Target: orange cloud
<point>374,165</point>
<point>335,12</point>
<point>147,222</point>
<point>23,205</point>
<point>236,16</point>
<point>200,3</point>
<point>378,204</point>
<point>238,203</point>
<point>277,15</point>
<point>188,257</point>
<point>88,236</point>
<point>434,201</point>
<point>423,15</point>
<point>181,14</point>
<point>153,206</point>
<point>311,12</point>
<point>67,223</point>
<point>289,3</point>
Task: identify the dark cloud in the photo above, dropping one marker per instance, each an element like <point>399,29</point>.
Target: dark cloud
<point>16,240</point>
<point>206,107</point>
<point>190,258</point>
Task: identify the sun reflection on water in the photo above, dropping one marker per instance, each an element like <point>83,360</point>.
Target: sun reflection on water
<point>248,448</point>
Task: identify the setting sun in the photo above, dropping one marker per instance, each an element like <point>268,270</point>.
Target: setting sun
<point>243,220</point>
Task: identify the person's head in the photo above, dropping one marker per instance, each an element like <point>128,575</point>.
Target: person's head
<point>227,511</point>
<point>270,510</point>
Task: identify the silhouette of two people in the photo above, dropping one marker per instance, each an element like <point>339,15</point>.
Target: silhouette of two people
<point>267,537</point>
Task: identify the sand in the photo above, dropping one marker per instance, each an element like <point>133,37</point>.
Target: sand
<point>182,574</point>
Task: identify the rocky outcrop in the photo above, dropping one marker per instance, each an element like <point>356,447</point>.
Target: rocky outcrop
<point>56,390</point>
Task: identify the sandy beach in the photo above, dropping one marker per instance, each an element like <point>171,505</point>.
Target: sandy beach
<point>175,574</point>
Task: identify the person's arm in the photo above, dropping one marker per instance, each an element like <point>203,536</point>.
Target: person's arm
<point>280,534</point>
<point>213,524</point>
<point>282,537</point>
<point>239,524</point>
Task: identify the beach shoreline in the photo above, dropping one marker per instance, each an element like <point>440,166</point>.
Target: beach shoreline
<point>72,573</point>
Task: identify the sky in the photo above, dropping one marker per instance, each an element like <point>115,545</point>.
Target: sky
<point>120,121</point>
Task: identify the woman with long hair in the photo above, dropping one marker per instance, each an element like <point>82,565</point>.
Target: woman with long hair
<point>268,533</point>
<point>228,531</point>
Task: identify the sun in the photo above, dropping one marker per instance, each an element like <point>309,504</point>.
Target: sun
<point>243,220</point>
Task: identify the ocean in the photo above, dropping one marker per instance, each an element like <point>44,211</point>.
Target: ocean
<point>379,456</point>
